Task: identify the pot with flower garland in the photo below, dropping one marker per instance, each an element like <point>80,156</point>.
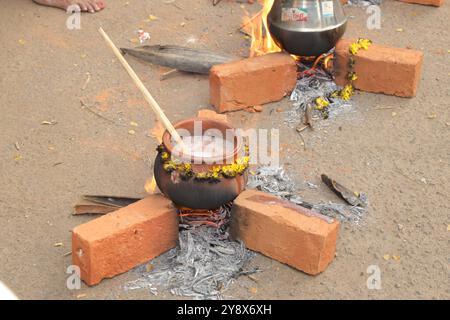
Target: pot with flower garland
<point>202,178</point>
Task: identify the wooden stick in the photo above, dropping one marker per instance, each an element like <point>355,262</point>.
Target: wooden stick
<point>148,97</point>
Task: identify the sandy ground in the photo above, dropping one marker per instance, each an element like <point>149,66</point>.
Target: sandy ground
<point>399,153</point>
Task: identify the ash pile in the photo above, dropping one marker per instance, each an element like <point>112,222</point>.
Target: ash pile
<point>203,265</point>
<point>308,89</point>
<point>276,181</point>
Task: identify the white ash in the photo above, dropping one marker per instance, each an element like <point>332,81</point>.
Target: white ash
<point>365,3</point>
<point>340,211</point>
<point>274,180</point>
<point>202,267</point>
<point>307,90</point>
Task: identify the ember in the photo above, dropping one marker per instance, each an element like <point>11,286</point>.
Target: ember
<point>216,218</point>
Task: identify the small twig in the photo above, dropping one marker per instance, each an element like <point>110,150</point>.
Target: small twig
<point>86,82</point>
<point>166,75</point>
<point>85,106</point>
<point>16,145</point>
<point>304,142</point>
<point>243,27</point>
<point>252,278</point>
<point>400,171</point>
<point>300,129</point>
<point>308,116</point>
<point>49,123</point>
<point>172,2</point>
<point>385,108</point>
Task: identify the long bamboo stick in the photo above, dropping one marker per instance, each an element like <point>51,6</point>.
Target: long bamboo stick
<point>148,97</point>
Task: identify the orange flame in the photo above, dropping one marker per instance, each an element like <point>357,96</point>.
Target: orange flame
<point>157,132</point>
<point>151,186</point>
<point>256,27</point>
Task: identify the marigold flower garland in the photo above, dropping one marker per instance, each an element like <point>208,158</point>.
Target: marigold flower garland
<point>347,91</point>
<point>212,175</point>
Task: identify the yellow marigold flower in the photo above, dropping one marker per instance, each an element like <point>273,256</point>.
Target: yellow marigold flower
<point>321,103</point>
<point>347,92</point>
<point>353,77</point>
<point>240,161</point>
<point>364,43</point>
<point>164,156</point>
<point>229,171</point>
<point>353,49</point>
<point>168,166</point>
<point>201,175</point>
<point>215,175</point>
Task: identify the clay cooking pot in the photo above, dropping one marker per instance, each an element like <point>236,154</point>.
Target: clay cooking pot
<point>191,192</point>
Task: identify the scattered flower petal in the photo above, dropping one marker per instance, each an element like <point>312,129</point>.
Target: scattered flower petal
<point>253,290</point>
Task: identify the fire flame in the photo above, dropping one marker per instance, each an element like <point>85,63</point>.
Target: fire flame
<point>157,132</point>
<point>257,28</point>
<point>150,186</point>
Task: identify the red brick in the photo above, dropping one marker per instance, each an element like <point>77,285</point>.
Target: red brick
<point>381,69</point>
<point>284,231</point>
<point>436,3</point>
<point>253,81</point>
<point>121,240</point>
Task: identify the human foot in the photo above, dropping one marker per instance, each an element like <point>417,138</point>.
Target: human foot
<point>85,5</point>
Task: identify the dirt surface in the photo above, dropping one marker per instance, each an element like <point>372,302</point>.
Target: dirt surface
<point>397,150</point>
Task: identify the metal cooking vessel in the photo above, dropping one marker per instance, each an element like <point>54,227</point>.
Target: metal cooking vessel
<point>306,27</point>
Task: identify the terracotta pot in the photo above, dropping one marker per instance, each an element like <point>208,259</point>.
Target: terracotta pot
<point>200,194</point>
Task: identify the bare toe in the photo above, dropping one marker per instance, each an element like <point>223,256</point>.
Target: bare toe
<point>90,7</point>
<point>100,4</point>
<point>83,7</point>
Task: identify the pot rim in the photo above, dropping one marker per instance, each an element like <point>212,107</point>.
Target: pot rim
<point>217,124</point>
